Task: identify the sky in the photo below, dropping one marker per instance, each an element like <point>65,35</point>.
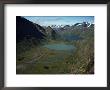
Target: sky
<point>59,20</point>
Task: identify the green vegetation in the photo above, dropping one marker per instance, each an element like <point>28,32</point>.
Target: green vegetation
<point>35,59</point>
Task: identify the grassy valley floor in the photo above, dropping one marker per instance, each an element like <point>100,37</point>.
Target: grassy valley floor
<point>41,60</point>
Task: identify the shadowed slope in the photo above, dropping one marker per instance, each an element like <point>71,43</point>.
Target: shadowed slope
<point>27,29</point>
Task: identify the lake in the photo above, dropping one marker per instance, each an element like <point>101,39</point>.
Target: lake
<point>71,37</point>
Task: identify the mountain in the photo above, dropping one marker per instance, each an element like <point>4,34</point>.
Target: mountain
<point>26,29</point>
<point>51,33</point>
<point>40,28</point>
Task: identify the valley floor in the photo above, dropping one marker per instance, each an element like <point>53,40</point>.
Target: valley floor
<point>41,60</point>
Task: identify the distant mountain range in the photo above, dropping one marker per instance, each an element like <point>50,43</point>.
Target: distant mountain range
<point>71,26</point>
<point>26,29</point>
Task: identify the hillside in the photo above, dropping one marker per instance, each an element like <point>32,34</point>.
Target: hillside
<point>68,49</point>
<point>28,30</point>
<point>28,35</point>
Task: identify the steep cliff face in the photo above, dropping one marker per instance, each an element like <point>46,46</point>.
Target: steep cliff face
<point>27,29</point>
